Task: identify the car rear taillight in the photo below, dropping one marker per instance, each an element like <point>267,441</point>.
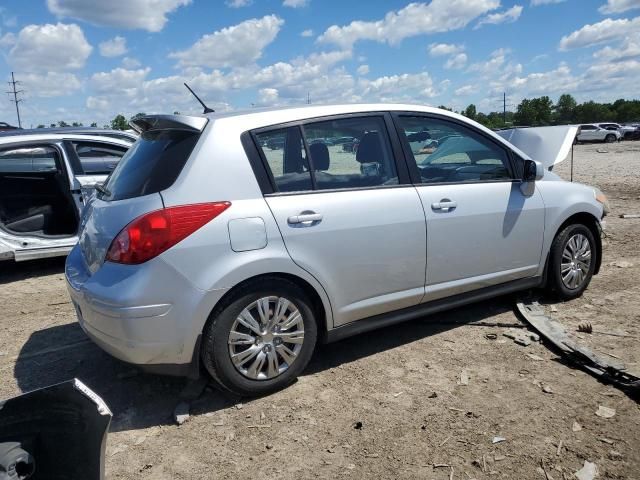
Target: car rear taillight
<point>151,234</point>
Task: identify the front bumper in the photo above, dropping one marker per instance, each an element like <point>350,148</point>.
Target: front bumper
<point>148,315</point>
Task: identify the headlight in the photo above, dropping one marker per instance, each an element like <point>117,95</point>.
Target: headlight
<point>602,198</point>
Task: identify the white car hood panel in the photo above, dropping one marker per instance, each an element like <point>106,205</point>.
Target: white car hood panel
<point>548,145</point>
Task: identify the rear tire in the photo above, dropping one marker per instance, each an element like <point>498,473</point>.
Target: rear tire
<point>610,138</point>
<point>572,261</point>
<point>276,352</point>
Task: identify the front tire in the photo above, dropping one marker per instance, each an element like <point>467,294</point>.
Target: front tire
<point>572,261</point>
<point>260,341</point>
<point>611,138</point>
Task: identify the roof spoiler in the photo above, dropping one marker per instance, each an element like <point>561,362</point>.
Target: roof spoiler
<point>168,122</point>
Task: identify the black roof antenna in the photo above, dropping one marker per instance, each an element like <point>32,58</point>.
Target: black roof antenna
<point>206,109</point>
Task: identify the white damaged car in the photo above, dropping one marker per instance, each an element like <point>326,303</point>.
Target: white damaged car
<point>46,176</point>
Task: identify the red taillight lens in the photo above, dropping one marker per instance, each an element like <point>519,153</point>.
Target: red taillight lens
<point>151,234</point>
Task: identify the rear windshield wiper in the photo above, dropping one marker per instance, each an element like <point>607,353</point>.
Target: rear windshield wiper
<point>102,189</point>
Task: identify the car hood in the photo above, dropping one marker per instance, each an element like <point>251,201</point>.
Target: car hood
<point>548,145</point>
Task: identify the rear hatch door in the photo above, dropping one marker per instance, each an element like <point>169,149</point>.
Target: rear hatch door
<point>151,165</point>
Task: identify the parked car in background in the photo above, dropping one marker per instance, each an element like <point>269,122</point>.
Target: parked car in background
<point>46,176</point>
<point>595,133</point>
<point>627,131</point>
<point>207,248</point>
<point>5,126</point>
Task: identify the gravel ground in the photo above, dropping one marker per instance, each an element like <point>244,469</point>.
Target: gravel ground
<point>389,404</point>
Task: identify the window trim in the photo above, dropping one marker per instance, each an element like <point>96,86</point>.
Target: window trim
<point>412,164</point>
<point>404,178</point>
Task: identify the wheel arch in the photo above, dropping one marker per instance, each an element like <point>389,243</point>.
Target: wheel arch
<point>589,221</point>
<point>317,304</point>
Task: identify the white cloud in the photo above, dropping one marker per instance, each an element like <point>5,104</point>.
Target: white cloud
<point>466,90</point>
<point>456,62</point>
<point>150,15</point>
<point>414,19</point>
<point>130,63</point>
<point>508,16</point>
<point>295,3</point>
<point>7,40</point>
<point>363,69</point>
<point>118,81</point>
<point>442,49</point>
<point>50,48</point>
<point>268,96</point>
<point>630,49</point>
<point>496,62</point>
<point>307,33</point>
<point>600,32</point>
<point>50,84</point>
<point>535,3</point>
<point>113,48</point>
<point>231,46</point>
<point>238,3</point>
<point>618,6</point>
<point>400,87</point>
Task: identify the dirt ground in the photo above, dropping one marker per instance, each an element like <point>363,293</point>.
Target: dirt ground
<point>387,404</point>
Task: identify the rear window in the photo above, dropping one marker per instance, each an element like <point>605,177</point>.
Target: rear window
<point>151,165</point>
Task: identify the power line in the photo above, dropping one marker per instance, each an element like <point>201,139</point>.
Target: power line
<point>16,100</point>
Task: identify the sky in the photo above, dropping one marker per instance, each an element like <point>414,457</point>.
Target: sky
<point>86,61</point>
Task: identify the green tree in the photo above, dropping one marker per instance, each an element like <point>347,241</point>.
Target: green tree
<point>76,124</point>
<point>470,112</point>
<point>40,126</point>
<point>62,123</point>
<point>94,124</point>
<point>536,111</point>
<point>590,112</point>
<point>565,109</point>
<point>53,125</point>
<point>119,123</point>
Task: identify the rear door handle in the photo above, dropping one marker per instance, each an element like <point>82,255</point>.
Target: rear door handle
<point>444,204</point>
<point>305,219</point>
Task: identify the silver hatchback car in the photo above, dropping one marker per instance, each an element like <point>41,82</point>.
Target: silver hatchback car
<point>234,243</point>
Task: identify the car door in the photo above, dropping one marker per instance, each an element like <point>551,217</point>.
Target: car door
<point>483,229</point>
<point>350,218</point>
<point>91,162</point>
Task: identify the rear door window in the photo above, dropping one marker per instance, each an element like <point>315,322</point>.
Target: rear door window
<point>364,160</point>
<point>151,165</point>
<point>283,149</point>
<point>98,158</point>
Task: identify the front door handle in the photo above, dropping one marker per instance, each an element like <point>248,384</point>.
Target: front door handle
<point>305,219</point>
<point>445,204</point>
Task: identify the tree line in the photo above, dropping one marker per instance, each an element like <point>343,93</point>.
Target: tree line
<point>531,112</point>
<point>119,122</point>
<point>541,111</point>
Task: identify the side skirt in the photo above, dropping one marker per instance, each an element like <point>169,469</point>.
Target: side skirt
<point>417,311</point>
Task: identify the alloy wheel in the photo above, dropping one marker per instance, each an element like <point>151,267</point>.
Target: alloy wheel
<point>266,338</point>
<point>576,261</point>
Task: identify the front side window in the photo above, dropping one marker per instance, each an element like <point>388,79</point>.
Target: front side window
<point>27,159</point>
<point>351,153</point>
<point>446,152</point>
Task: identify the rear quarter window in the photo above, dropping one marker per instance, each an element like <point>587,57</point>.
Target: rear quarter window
<point>151,165</point>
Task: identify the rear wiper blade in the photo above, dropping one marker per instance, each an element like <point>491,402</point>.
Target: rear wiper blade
<point>102,189</point>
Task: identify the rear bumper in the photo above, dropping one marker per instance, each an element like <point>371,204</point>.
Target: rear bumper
<point>148,315</point>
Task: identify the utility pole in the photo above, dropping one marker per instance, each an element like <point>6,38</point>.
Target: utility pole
<point>15,100</point>
<point>504,108</point>
<point>308,98</point>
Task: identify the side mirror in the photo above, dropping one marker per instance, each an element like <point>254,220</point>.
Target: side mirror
<point>532,171</point>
